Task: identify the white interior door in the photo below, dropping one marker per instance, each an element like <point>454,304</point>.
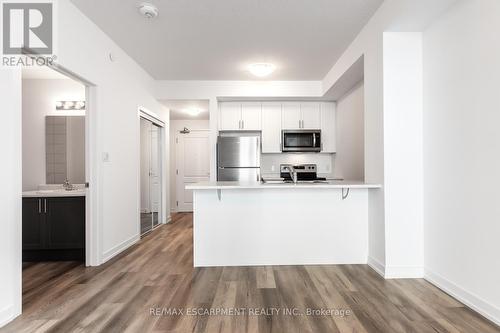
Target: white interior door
<point>193,165</point>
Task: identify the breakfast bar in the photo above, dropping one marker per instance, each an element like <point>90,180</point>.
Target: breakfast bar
<point>253,224</point>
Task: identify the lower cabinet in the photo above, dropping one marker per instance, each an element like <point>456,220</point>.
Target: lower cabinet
<point>54,228</point>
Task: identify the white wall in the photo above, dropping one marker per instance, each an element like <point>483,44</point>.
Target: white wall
<point>10,194</point>
<point>175,127</point>
<point>39,99</point>
<point>393,15</point>
<point>350,155</point>
<point>121,87</point>
<point>461,154</point>
<point>403,166</point>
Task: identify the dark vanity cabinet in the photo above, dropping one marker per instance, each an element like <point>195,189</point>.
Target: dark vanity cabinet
<point>53,228</point>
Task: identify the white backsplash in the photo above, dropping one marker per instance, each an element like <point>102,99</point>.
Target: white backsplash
<point>270,163</point>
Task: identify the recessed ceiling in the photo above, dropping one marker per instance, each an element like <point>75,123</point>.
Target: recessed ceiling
<point>179,109</point>
<point>217,39</point>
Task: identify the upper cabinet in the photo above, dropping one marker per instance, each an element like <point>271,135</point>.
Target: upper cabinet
<point>311,115</point>
<point>328,127</point>
<point>251,116</point>
<point>229,116</point>
<point>271,127</point>
<point>237,116</point>
<point>292,118</point>
<point>301,115</point>
<point>273,117</point>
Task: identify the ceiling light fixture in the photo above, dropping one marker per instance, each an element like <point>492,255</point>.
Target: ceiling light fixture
<point>70,105</point>
<point>193,112</point>
<point>261,69</point>
<point>148,10</point>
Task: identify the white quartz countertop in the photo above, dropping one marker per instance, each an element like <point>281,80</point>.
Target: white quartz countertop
<point>54,193</point>
<point>332,184</point>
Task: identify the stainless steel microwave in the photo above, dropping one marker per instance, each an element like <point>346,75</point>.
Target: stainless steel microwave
<point>301,141</point>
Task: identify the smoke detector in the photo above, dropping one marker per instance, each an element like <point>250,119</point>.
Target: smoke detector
<point>148,10</point>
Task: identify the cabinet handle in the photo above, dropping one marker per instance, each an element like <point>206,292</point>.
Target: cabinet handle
<point>45,206</point>
<point>39,206</point>
<point>239,124</point>
<point>242,124</point>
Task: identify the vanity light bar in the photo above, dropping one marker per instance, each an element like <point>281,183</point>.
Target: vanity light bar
<point>70,105</point>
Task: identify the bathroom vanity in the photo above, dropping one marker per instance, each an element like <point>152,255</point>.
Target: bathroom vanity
<point>54,225</point>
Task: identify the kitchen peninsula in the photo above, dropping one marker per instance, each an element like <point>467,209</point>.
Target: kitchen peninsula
<point>252,224</point>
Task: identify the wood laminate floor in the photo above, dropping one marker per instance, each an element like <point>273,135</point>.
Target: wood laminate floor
<point>146,288</point>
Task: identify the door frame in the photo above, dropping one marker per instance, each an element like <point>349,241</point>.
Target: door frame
<point>178,135</point>
<point>93,227</point>
<point>142,112</point>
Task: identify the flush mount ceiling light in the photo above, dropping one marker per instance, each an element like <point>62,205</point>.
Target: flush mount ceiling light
<point>261,69</point>
<point>148,10</point>
<point>193,112</point>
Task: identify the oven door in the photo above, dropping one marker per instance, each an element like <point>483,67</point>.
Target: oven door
<point>301,141</point>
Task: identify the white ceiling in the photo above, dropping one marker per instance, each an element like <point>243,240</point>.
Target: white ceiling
<point>178,109</point>
<point>216,39</point>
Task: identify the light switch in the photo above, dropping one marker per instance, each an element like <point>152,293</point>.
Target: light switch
<point>105,157</point>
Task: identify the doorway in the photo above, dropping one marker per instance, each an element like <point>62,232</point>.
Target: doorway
<point>193,164</point>
<point>151,134</point>
<point>190,149</point>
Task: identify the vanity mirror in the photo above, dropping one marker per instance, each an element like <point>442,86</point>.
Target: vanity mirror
<point>65,149</point>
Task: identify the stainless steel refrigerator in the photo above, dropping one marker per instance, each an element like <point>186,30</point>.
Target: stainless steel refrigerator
<point>238,158</point>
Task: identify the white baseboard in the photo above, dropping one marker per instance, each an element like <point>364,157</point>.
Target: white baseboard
<point>404,272</point>
<point>119,248</point>
<point>169,218</point>
<point>8,314</point>
<point>395,272</point>
<point>376,266</point>
<point>474,302</point>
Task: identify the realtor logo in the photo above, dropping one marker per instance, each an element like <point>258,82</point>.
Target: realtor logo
<point>27,28</point>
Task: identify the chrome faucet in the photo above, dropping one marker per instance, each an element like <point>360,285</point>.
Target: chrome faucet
<point>67,185</point>
<point>293,173</point>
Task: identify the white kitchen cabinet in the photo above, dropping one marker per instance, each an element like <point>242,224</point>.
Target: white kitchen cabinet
<point>237,116</point>
<point>311,115</point>
<point>251,116</point>
<point>305,115</point>
<point>328,127</point>
<point>291,116</point>
<point>271,127</point>
<point>230,116</point>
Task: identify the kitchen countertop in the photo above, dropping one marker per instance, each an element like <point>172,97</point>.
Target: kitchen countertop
<point>332,184</point>
<point>54,193</point>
